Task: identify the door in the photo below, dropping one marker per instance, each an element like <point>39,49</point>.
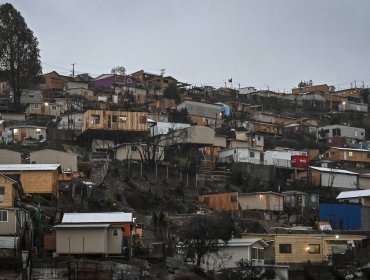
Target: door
<point>23,133</point>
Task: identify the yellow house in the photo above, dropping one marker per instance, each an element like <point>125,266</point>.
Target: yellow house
<point>7,192</point>
<point>300,248</point>
<point>360,156</point>
<point>35,178</point>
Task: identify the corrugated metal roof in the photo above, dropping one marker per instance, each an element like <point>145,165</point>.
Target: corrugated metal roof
<point>245,242</point>
<point>82,226</point>
<point>353,194</point>
<point>333,170</point>
<point>28,167</point>
<point>109,217</point>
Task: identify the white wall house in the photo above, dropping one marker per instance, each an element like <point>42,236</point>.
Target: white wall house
<point>166,127</point>
<point>353,106</point>
<point>71,121</point>
<point>336,178</point>
<point>281,158</point>
<point>251,249</point>
<point>240,154</point>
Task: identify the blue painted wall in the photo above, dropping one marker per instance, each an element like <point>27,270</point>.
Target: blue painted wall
<point>341,216</point>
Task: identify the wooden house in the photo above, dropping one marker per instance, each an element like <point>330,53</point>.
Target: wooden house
<point>301,248</point>
<point>8,191</point>
<point>15,223</point>
<point>324,88</point>
<point>355,157</point>
<point>114,120</point>
<point>263,128</point>
<point>53,80</point>
<point>274,119</point>
<point>221,201</point>
<point>265,201</point>
<point>93,233</point>
<point>35,178</point>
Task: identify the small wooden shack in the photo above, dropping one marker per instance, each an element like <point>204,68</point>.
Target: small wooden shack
<point>35,178</point>
<point>115,120</point>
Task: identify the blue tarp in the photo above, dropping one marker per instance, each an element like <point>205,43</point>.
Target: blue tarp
<point>341,216</point>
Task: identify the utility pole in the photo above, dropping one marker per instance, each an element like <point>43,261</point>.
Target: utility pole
<point>73,69</point>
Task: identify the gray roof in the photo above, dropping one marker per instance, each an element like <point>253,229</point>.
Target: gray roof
<point>202,109</point>
<point>109,217</point>
<point>245,242</point>
<point>29,167</point>
<point>354,194</point>
<point>333,170</point>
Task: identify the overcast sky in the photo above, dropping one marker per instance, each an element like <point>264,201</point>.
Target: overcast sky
<point>261,43</point>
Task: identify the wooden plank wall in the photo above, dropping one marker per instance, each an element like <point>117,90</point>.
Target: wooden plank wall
<point>135,121</point>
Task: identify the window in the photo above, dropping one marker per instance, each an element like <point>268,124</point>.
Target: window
<point>134,148</point>
<point>95,119</point>
<point>115,232</point>
<point>314,248</point>
<point>143,119</point>
<point>119,118</point>
<point>350,154</point>
<point>36,106</point>
<point>257,254</point>
<point>285,248</point>
<point>251,154</point>
<point>206,200</point>
<point>37,131</point>
<point>233,198</point>
<point>15,131</point>
<point>54,107</point>
<point>31,96</point>
<point>356,133</point>
<point>336,132</point>
<point>2,193</point>
<point>3,215</point>
<point>261,198</point>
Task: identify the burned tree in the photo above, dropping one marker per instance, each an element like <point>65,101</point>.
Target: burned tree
<point>202,235</point>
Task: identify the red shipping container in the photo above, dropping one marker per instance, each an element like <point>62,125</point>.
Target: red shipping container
<point>300,162</point>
